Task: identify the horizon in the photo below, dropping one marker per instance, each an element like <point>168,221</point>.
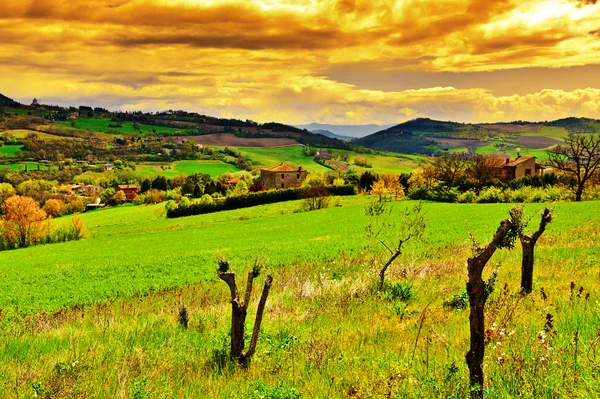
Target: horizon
<point>351,62</point>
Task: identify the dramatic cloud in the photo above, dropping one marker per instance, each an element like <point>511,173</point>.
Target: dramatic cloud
<point>345,61</point>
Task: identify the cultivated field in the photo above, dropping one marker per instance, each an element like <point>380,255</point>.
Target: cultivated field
<point>212,168</point>
<point>326,332</point>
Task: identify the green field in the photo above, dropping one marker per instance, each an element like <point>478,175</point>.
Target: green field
<point>540,154</point>
<point>102,125</point>
<point>213,168</point>
<point>22,133</point>
<point>553,132</point>
<point>326,333</point>
<point>10,150</point>
<point>135,248</point>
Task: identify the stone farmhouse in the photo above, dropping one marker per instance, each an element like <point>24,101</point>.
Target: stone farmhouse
<point>517,168</point>
<point>282,176</point>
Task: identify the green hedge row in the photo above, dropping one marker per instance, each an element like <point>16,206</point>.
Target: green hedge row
<point>251,199</point>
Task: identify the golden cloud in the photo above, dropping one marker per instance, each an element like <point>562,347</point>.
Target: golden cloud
<point>269,60</point>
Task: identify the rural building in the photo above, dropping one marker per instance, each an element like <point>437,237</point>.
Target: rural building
<point>76,188</point>
<point>91,158</point>
<point>517,168</point>
<point>91,190</point>
<point>107,166</point>
<point>282,176</point>
<point>130,190</point>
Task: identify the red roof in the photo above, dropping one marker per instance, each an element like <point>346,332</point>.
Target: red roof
<point>127,187</point>
<point>518,161</point>
<point>284,167</point>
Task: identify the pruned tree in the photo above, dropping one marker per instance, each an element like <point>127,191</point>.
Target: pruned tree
<point>578,157</point>
<point>449,168</point>
<point>528,245</point>
<point>478,291</point>
<point>385,231</point>
<point>239,310</point>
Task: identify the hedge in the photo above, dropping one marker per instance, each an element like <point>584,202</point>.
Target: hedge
<point>252,199</point>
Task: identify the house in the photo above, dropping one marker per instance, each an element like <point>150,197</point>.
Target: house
<point>91,158</point>
<point>90,190</point>
<point>107,166</point>
<point>517,168</point>
<point>76,188</point>
<point>130,190</point>
<point>282,176</point>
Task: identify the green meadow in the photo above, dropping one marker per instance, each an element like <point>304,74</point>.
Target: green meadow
<point>10,150</point>
<point>213,168</point>
<point>327,333</point>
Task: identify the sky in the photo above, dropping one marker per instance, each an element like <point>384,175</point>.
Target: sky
<point>301,61</point>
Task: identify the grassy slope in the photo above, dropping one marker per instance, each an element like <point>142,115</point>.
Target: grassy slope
<point>325,332</point>
<point>213,168</point>
<point>10,150</point>
<point>136,248</point>
<point>275,156</point>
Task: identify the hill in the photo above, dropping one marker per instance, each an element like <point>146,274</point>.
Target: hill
<point>345,130</point>
<point>327,133</point>
<point>7,102</point>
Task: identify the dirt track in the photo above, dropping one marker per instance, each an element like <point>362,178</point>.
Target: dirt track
<point>223,139</point>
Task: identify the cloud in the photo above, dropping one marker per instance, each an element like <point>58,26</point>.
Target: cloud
<point>301,60</point>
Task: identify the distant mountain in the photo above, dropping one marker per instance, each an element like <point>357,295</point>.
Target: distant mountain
<point>327,133</point>
<point>398,139</point>
<point>345,130</point>
<point>7,102</point>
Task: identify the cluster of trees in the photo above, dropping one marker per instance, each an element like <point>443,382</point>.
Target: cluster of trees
<point>24,223</point>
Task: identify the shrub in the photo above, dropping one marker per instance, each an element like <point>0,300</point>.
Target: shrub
<point>458,301</point>
<point>53,207</point>
<point>490,195</point>
<point>398,292</point>
<point>467,197</point>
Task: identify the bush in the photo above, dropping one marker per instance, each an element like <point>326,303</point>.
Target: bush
<point>490,195</point>
<point>458,301</point>
<point>398,292</point>
<point>53,207</point>
<point>467,197</point>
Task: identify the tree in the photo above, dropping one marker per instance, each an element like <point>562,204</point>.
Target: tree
<point>528,245</point>
<point>239,309</point>
<point>23,220</point>
<point>53,207</point>
<point>478,292</point>
<point>382,229</point>
<point>315,193</point>
<point>578,157</point>
<point>366,180</point>
<point>449,168</point>
<point>483,168</point>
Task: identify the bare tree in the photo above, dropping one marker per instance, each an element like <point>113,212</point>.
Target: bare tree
<point>479,291</point>
<point>528,245</point>
<point>239,311</point>
<point>578,157</point>
<point>449,168</point>
<point>483,168</point>
<point>382,229</point>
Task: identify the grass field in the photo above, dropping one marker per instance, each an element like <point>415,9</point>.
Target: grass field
<point>541,155</point>
<point>326,332</point>
<point>293,155</point>
<point>10,150</point>
<point>135,248</point>
<point>554,132</point>
<point>102,125</point>
<point>22,133</point>
<point>213,168</point>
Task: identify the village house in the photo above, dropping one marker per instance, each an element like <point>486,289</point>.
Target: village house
<point>130,190</point>
<point>517,168</point>
<point>90,190</point>
<point>107,166</point>
<point>282,176</point>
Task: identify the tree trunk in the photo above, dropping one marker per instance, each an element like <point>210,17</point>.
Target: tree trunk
<point>238,330</point>
<point>384,269</point>
<point>476,289</point>
<point>579,192</point>
<point>527,265</point>
<point>528,245</point>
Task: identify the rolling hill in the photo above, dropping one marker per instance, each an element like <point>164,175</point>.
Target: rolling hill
<point>7,102</point>
<point>345,130</point>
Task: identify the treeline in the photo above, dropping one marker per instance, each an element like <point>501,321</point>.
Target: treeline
<point>249,200</point>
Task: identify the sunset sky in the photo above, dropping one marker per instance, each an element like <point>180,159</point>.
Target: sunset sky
<point>299,61</point>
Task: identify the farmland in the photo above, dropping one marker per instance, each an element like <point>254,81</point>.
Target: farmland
<point>212,168</point>
<point>109,126</point>
<point>137,266</point>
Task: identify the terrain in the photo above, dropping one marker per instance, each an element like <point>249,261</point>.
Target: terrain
<point>98,317</point>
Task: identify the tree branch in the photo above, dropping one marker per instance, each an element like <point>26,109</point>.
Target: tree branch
<point>259,316</point>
